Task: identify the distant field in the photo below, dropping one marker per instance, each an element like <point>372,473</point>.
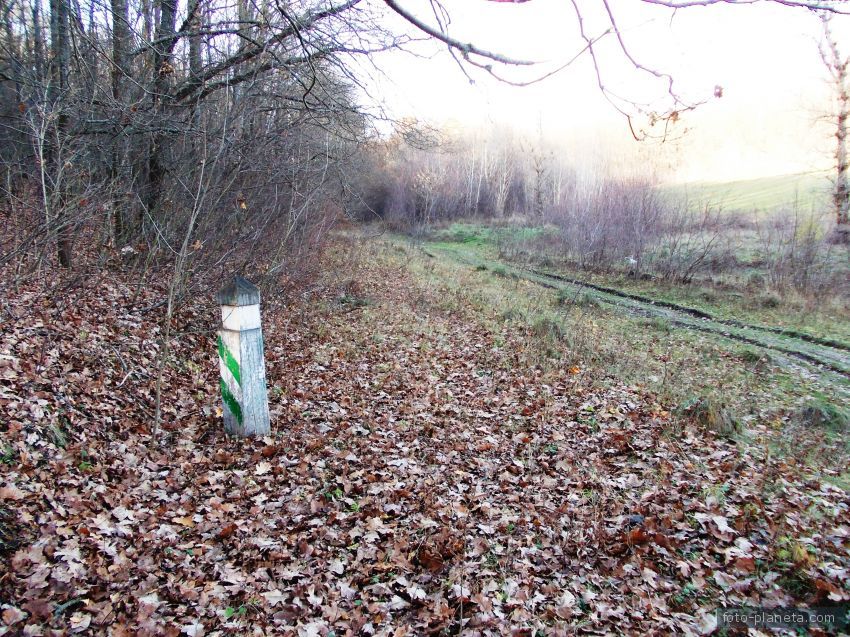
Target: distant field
<point>809,191</point>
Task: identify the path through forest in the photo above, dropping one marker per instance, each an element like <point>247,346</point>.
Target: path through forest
<point>420,479</point>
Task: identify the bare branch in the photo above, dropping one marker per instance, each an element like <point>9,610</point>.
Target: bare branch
<point>465,48</point>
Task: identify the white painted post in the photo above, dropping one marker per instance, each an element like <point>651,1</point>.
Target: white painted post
<point>240,355</point>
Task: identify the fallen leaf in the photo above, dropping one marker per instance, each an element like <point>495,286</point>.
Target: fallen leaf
<point>274,597</point>
<point>12,615</point>
<point>226,531</point>
<point>11,492</point>
<point>184,521</point>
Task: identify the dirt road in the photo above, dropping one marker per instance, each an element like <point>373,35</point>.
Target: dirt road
<point>817,355</point>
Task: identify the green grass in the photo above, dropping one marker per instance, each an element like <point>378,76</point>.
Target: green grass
<point>738,388</point>
<point>758,306</point>
<point>466,233</point>
<point>482,235</point>
<point>677,363</point>
<point>741,294</point>
<point>823,414</point>
<point>805,191</point>
<point>753,384</point>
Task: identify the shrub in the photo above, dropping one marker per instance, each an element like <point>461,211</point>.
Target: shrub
<point>770,300</point>
<point>511,314</point>
<point>711,415</point>
<point>581,299</point>
<point>547,329</point>
<point>756,280</point>
<point>822,413</point>
<point>707,294</point>
<point>499,270</point>
<point>563,296</point>
<point>753,356</point>
<point>659,323</point>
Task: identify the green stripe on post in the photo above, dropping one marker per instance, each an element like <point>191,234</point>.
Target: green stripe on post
<point>229,361</point>
<point>230,401</point>
<point>244,393</point>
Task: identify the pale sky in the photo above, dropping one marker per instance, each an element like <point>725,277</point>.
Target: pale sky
<point>765,57</point>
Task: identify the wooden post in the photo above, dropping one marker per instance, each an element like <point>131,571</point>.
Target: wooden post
<point>240,355</point>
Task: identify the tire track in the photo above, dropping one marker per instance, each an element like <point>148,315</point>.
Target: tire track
<point>824,354</point>
<point>803,336</point>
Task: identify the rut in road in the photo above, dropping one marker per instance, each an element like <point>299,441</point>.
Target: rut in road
<point>826,355</point>
<point>803,336</point>
<point>831,355</point>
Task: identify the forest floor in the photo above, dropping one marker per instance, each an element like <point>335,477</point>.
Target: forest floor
<point>434,468</point>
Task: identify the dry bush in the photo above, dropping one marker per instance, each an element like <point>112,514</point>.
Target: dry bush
<point>608,223</point>
<point>598,221</point>
<point>179,141</point>
<point>692,243</point>
<point>712,415</point>
<point>797,255</point>
<point>243,190</point>
<point>419,185</point>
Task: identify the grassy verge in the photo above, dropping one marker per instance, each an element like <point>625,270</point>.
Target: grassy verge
<point>828,320</point>
<point>757,397</point>
<point>757,305</point>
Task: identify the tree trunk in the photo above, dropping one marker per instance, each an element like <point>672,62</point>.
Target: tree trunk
<point>195,61</point>
<point>121,70</point>
<point>162,69</point>
<point>14,53</point>
<point>38,42</point>
<point>837,66</point>
<point>57,96</point>
<point>841,195</point>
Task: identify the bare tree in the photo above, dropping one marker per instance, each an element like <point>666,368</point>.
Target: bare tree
<point>837,66</point>
<point>118,120</point>
<point>57,93</point>
<point>106,115</point>
<point>121,74</point>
